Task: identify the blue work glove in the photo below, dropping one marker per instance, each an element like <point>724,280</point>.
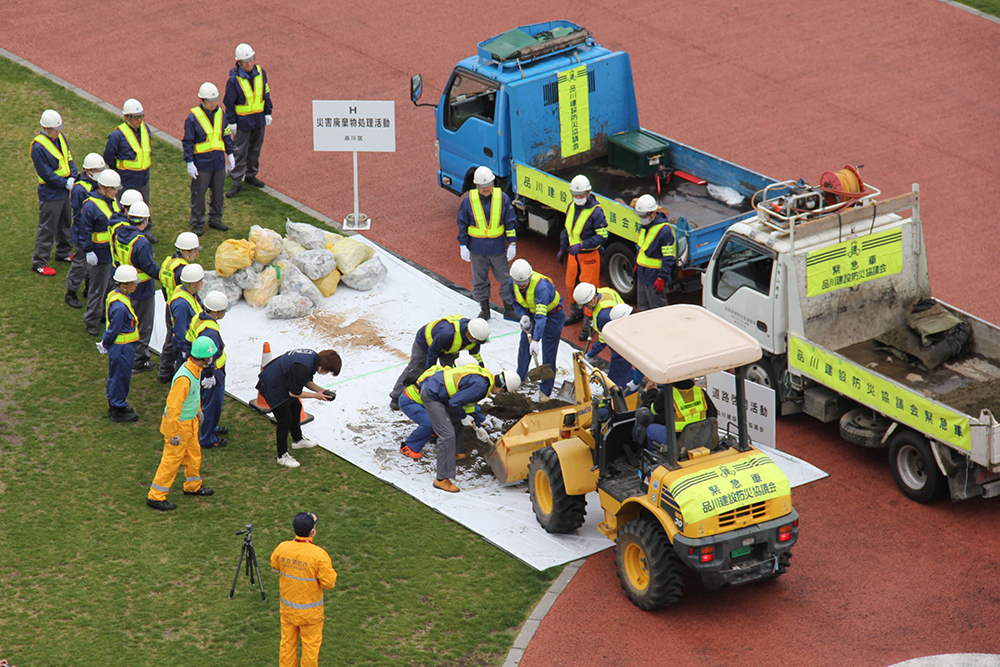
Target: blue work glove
<point>561,256</point>
<point>575,248</point>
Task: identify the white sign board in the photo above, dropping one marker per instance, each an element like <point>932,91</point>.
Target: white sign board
<point>760,414</point>
<point>360,126</point>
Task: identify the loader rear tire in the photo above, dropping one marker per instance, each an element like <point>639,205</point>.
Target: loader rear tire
<point>651,574</point>
<point>556,511</point>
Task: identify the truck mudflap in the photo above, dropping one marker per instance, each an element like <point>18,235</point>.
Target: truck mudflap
<point>740,556</point>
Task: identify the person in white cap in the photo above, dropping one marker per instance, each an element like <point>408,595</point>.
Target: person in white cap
<point>208,153</point>
<point>129,246</point>
<point>56,173</point>
<point>128,152</point>
<point>118,342</point>
<point>93,165</point>
<point>185,305</point>
<point>248,112</point>
<point>213,377</point>
<point>188,248</point>
<point>98,214</point>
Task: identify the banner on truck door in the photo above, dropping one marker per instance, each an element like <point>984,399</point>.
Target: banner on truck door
<point>875,391</point>
<point>854,262</point>
<point>574,110</point>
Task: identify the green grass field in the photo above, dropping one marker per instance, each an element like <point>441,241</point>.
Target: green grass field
<point>90,575</point>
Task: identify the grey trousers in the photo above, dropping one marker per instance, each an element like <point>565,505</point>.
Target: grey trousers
<point>246,151</point>
<point>54,221</point>
<point>77,271</point>
<point>167,369</point>
<point>418,360</point>
<point>144,191</point>
<point>145,310</point>
<point>481,266</point>
<point>216,180</point>
<point>451,435</point>
<point>647,298</point>
<point>100,285</point>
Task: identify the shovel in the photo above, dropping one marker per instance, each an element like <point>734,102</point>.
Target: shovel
<point>540,372</point>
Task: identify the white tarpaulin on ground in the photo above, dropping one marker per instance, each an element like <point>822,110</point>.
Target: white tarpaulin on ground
<point>373,332</point>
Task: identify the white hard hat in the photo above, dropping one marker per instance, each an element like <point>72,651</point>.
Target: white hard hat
<point>583,293</point>
<point>192,273</point>
<point>215,300</point>
<point>132,107</point>
<point>126,274</point>
<point>465,359</point>
<point>645,204</point>
<point>480,329</point>
<point>109,178</point>
<point>208,91</point>
<point>511,381</point>
<point>130,197</point>
<point>187,241</point>
<point>620,311</point>
<point>138,210</point>
<point>580,185</point>
<point>93,162</point>
<point>244,52</point>
<point>520,271</point>
<point>51,120</point>
<point>483,176</point>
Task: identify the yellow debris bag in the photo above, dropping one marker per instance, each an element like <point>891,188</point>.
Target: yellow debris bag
<point>233,255</point>
<point>328,284</point>
<point>331,239</point>
<point>270,281</point>
<point>267,244</point>
<point>351,254</point>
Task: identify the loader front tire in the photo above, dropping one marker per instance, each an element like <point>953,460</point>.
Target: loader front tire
<point>556,511</point>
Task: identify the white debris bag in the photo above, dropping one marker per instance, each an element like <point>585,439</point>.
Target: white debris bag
<point>216,283</point>
<point>366,276</point>
<point>726,195</point>
<point>288,306</point>
<point>307,235</point>
<point>295,282</point>
<point>267,244</point>
<point>351,254</point>
<point>247,278</point>
<point>315,263</point>
<point>269,283</point>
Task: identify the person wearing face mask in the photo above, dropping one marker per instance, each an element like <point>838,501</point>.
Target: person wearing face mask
<point>209,156</point>
<point>580,247</point>
<point>130,246</point>
<point>656,255</point>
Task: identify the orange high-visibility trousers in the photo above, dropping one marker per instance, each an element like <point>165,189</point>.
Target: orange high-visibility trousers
<point>584,267</point>
<point>312,638</point>
<point>187,454</point>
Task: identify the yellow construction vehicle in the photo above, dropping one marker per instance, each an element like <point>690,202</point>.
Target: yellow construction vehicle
<point>714,505</point>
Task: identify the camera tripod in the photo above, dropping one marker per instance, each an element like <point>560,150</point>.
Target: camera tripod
<point>251,557</point>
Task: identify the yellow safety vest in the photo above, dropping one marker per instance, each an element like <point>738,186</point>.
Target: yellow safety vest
<point>105,236</point>
<point>199,324</point>
<point>191,300</point>
<point>254,96</point>
<point>413,391</point>
<point>456,343</point>
<point>452,376</point>
<point>167,279</point>
<point>121,253</point>
<point>527,298</point>
<point>574,230</point>
<point>125,336</point>
<point>646,238</point>
<point>689,407</point>
<point>482,230</point>
<point>140,146</point>
<point>609,299</point>
<point>213,131</point>
<point>62,154</point>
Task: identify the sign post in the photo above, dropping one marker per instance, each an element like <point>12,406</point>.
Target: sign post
<point>356,126</point>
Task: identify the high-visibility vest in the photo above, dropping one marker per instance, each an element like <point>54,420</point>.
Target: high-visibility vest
<point>105,236</point>
<point>167,276</point>
<point>609,299</point>
<point>574,230</point>
<point>121,253</point>
<point>199,324</point>
<point>413,391</point>
<point>213,131</point>
<point>61,154</point>
<point>452,376</point>
<point>124,336</point>
<point>192,402</point>
<point>456,343</point>
<point>689,406</point>
<point>191,300</point>
<point>646,238</point>
<point>482,230</point>
<point>140,146</point>
<point>527,297</point>
<point>254,96</point>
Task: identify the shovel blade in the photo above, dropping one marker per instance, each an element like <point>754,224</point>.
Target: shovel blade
<point>566,392</point>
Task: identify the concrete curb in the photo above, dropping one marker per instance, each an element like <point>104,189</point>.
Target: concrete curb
<point>538,613</point>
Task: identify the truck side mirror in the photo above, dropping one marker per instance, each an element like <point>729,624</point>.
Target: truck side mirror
<point>416,88</point>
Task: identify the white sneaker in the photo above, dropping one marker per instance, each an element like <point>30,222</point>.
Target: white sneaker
<point>288,461</point>
<point>304,443</point>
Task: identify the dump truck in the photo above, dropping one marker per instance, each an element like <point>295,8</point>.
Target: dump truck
<point>834,287</point>
<point>544,102</point>
<point>714,505</point>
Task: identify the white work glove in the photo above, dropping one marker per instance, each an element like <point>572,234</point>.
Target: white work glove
<point>201,416</point>
<point>231,162</point>
<point>535,347</point>
<point>92,258</point>
<point>464,251</point>
<point>208,383</point>
<point>175,440</point>
<point>525,323</point>
<point>101,348</point>
<point>511,252</point>
<point>631,387</point>
<point>69,183</point>
<point>493,423</point>
<point>267,119</point>
<point>468,420</point>
<point>231,128</point>
<point>192,170</point>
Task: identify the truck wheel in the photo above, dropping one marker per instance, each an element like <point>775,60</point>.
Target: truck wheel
<point>619,259</point>
<point>651,574</point>
<point>556,511</point>
<point>863,427</point>
<point>762,373</point>
<point>913,467</point>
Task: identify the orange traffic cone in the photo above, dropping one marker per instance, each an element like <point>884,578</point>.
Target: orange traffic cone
<point>260,403</point>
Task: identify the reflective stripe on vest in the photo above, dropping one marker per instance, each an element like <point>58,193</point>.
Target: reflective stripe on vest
<point>307,605</point>
<point>413,391</point>
<point>61,154</point>
<point>191,300</point>
<point>213,132</point>
<point>452,376</point>
<point>689,407</point>
<point>125,336</point>
<point>646,238</point>
<point>192,402</point>
<point>254,96</point>
<point>199,324</point>
<point>528,300</point>
<point>573,230</point>
<point>139,146</point>
<point>456,343</point>
<point>122,252</point>
<point>105,236</point>
<point>167,276</point>
<point>482,230</point>
<point>609,299</point>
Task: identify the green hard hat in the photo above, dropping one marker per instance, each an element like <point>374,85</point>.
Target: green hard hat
<point>203,347</point>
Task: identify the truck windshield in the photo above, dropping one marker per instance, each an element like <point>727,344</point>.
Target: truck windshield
<point>741,264</point>
<point>470,96</point>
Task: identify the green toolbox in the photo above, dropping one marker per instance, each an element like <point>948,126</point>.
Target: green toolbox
<point>638,152</point>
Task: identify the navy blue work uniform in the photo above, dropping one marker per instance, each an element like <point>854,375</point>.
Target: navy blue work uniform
<point>448,396</point>
<point>119,340</point>
<point>540,300</point>
<point>436,343</point>
<point>620,371</point>
<point>211,398</point>
<point>53,166</point>
<point>286,375</point>
<point>486,232</point>
<point>133,248</point>
<point>184,307</point>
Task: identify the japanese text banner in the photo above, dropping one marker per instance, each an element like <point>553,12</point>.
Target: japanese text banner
<point>854,262</point>
<point>574,110</point>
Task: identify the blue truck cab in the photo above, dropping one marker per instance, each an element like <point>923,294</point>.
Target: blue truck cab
<point>544,102</point>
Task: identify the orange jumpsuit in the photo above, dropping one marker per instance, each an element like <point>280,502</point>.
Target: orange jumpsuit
<point>188,452</point>
<point>304,570</point>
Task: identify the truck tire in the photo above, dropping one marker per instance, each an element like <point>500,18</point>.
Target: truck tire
<point>556,511</point>
<point>651,574</point>
<point>913,467</point>
<point>861,426</point>
<point>762,372</point>
<point>619,260</point>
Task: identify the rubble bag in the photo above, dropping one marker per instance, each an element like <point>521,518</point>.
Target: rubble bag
<point>269,283</point>
<point>308,236</point>
<point>332,239</point>
<point>351,254</point>
<point>216,283</point>
<point>315,263</point>
<point>233,255</point>
<point>327,285</point>
<point>288,306</point>
<point>248,278</point>
<point>294,281</point>
<point>267,244</point>
<point>292,248</point>
<point>366,276</point>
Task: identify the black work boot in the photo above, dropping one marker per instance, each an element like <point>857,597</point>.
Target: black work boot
<point>575,315</point>
<point>235,190</point>
<point>587,329</point>
<point>254,181</point>
<point>86,288</point>
<point>72,301</point>
<point>484,309</point>
<point>509,313</point>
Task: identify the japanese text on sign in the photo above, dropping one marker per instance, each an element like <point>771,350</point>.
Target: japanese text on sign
<point>759,400</point>
<point>574,110</point>
<point>716,490</point>
<point>354,125</point>
<point>854,262</point>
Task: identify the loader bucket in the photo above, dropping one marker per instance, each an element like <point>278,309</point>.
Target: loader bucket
<point>509,458</point>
